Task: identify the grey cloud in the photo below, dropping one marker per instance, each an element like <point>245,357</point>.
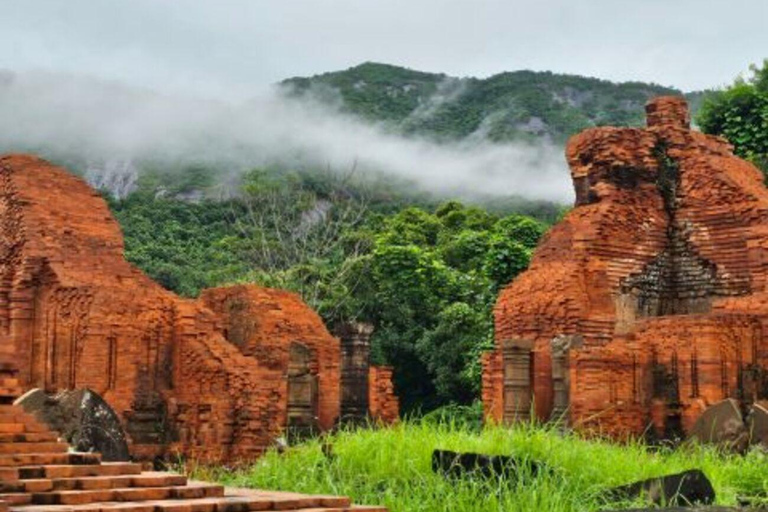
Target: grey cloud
<point>112,126</point>
<point>235,46</point>
<point>208,58</point>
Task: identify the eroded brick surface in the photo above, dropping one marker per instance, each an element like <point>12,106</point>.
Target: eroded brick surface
<point>266,323</point>
<point>195,377</point>
<point>382,402</point>
<point>659,270</point>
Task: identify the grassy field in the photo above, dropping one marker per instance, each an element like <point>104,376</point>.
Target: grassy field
<point>392,467</point>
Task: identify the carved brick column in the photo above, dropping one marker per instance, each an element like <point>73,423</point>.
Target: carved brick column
<point>355,363</point>
<point>561,350</point>
<point>21,314</point>
<point>518,389</point>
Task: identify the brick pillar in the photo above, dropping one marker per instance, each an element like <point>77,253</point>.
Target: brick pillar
<point>561,352</point>
<point>355,363</point>
<point>668,111</point>
<point>518,390</point>
<point>20,328</point>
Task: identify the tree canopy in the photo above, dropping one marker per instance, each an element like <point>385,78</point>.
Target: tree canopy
<point>740,114</point>
<point>426,276</point>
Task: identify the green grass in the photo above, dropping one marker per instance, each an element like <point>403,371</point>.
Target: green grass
<point>392,467</point>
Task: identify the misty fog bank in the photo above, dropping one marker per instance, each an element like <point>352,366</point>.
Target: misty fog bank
<point>113,128</point>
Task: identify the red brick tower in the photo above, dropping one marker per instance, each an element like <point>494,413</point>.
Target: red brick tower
<point>647,303</point>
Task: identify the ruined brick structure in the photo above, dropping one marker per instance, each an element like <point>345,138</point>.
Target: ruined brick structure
<point>383,405</point>
<point>648,302</point>
<point>355,378</point>
<point>211,378</point>
<point>259,321</point>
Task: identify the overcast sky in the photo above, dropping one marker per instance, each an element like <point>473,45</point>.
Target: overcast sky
<point>233,47</point>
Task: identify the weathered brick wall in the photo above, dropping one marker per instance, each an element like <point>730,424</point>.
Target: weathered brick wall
<point>205,378</point>
<point>383,404</point>
<point>493,385</point>
<point>659,268</point>
<point>263,323</point>
<point>224,406</point>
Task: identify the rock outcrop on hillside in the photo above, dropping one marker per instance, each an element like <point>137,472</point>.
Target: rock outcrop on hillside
<point>648,302</point>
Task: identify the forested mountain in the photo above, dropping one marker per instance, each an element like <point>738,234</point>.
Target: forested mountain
<point>507,106</point>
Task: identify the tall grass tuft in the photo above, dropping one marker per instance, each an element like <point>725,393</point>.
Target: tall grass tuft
<point>392,467</point>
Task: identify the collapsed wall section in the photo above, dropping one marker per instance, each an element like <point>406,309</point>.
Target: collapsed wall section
<point>383,404</point>
<point>279,331</point>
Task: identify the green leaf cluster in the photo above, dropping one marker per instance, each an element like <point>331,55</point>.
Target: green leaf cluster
<point>740,114</point>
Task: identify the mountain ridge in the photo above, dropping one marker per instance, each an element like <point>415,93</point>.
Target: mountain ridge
<point>510,105</point>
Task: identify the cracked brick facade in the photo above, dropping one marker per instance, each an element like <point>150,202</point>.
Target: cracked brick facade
<point>660,274</point>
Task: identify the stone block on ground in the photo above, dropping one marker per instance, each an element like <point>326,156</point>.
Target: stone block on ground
<point>476,465</point>
<point>757,423</point>
<point>82,418</point>
<point>680,489</point>
<point>722,424</point>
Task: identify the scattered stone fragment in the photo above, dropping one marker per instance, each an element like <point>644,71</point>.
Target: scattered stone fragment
<point>723,425</point>
<point>681,489</point>
<point>757,423</point>
<point>469,465</point>
<point>83,419</point>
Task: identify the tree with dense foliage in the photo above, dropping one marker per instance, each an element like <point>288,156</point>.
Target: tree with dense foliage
<point>740,114</point>
<point>425,276</point>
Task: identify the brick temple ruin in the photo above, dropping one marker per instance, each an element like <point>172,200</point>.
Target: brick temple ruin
<point>648,302</point>
<point>218,378</point>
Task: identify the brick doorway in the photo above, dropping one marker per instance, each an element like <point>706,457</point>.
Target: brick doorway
<point>302,393</point>
<point>518,380</point>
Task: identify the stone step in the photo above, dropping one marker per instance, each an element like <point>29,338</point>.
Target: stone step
<point>22,448</point>
<point>14,499</point>
<point>77,471</point>
<point>13,426</point>
<point>225,504</point>
<point>10,414</point>
<point>191,491</point>
<point>30,437</point>
<point>150,479</point>
<point>44,459</point>
<point>38,474</point>
<point>280,500</point>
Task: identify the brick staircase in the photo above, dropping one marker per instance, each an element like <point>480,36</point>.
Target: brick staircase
<point>38,473</point>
